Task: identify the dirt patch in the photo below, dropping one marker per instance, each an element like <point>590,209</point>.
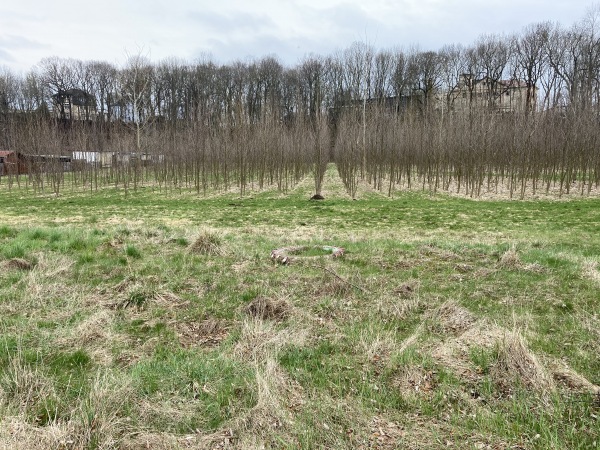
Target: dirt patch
<point>384,434</point>
<point>268,309</point>
<point>414,381</point>
<point>18,264</point>
<point>405,291</point>
<point>205,333</point>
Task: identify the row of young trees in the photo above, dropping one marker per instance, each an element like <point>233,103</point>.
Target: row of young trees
<point>384,115</point>
<point>513,154</point>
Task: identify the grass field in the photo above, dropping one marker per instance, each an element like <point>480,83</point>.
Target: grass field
<point>159,320</point>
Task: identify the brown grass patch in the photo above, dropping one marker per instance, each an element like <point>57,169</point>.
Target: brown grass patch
<point>333,286</point>
<point>168,300</point>
<point>405,291</point>
<point>160,441</point>
<point>376,345</point>
<point>437,253</point>
<point>401,302</point>
<point>94,334</point>
<point>205,333</point>
<point>137,293</point>
<point>268,309</point>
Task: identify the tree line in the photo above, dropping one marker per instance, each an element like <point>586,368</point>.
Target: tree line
<point>385,116</point>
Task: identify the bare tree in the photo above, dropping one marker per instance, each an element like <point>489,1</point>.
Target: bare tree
<point>135,85</point>
<point>529,59</point>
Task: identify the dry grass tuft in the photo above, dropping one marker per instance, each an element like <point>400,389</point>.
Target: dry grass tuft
<point>439,254</point>
<point>207,243</point>
<point>517,364</point>
<point>335,287</point>
<point>99,419</point>
<point>268,309</point>
<point>23,388</point>
<point>95,334</point>
<point>276,394</point>
<point>95,328</point>
<point>260,339</point>
<point>160,441</point>
<point>18,263</point>
<point>208,332</point>
<point>510,259</point>
<point>399,305</point>
<point>451,318</point>
<point>17,434</point>
<point>168,300</point>
<point>590,271</point>
<point>376,345</point>
<point>454,353</point>
<point>270,420</point>
<point>572,380</point>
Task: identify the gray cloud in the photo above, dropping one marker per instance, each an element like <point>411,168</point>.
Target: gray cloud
<point>315,31</point>
<point>288,51</point>
<point>229,23</point>
<point>237,29</point>
<point>21,43</point>
<point>5,56</point>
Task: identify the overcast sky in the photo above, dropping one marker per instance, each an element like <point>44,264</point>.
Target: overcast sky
<point>240,29</point>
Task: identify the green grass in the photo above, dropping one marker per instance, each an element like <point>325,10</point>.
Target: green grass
<point>134,323</point>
